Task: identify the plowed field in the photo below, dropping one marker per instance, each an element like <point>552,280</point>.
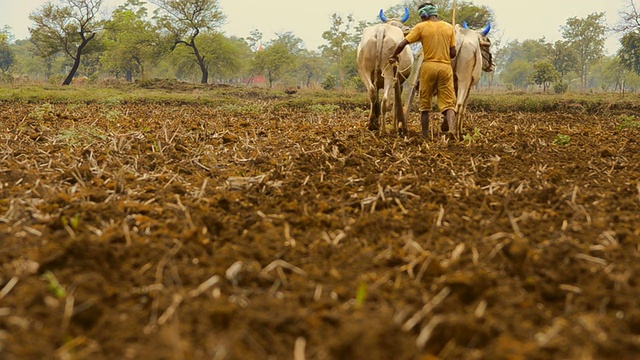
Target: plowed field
<point>268,227</point>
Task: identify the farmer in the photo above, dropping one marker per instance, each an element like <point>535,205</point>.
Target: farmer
<point>436,75</point>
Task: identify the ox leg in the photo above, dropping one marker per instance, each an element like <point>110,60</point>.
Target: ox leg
<point>374,111</point>
<point>398,111</point>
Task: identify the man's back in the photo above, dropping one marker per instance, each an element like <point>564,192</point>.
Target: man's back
<point>437,39</point>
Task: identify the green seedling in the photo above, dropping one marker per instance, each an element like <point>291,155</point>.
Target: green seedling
<point>53,284</point>
<point>361,295</point>
<point>562,140</point>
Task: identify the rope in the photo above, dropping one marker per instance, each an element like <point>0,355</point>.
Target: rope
<point>388,64</point>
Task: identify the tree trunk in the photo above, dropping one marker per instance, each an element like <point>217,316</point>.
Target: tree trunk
<point>76,60</point>
<point>203,66</point>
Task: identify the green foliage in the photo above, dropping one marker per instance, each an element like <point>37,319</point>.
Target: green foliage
<point>476,16</point>
<point>560,87</point>
<point>562,140</point>
<point>629,52</point>
<point>81,135</point>
<point>184,20</point>
<point>131,41</point>
<point>42,112</point>
<point>563,57</point>
<point>67,28</point>
<point>224,57</point>
<point>242,110</point>
<point>628,122</point>
<point>329,82</point>
<point>273,61</point>
<point>340,41</point>
<point>54,285</point>
<point>543,74</point>
<point>517,73</point>
<point>586,37</point>
<point>7,57</point>
<point>471,138</point>
<point>323,109</point>
<point>361,295</point>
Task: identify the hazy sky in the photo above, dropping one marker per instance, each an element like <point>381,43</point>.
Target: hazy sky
<point>516,20</point>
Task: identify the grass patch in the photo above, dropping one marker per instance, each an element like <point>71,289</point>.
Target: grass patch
<point>562,140</point>
<point>628,122</point>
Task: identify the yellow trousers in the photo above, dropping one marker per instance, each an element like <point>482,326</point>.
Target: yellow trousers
<point>436,78</point>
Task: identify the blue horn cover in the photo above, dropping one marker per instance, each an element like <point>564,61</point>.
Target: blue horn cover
<point>464,25</point>
<point>406,15</point>
<point>382,17</point>
<point>486,29</point>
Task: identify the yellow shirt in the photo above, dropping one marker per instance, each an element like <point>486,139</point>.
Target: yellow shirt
<point>437,38</point>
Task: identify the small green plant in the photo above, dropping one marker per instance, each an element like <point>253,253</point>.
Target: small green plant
<point>323,109</point>
<point>628,122</point>
<point>470,138</point>
<point>54,285</point>
<point>361,295</point>
<point>562,140</point>
<point>74,222</point>
<point>81,134</point>
<point>113,115</point>
<point>41,112</point>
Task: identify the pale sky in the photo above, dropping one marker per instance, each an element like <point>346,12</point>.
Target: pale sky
<point>516,19</point>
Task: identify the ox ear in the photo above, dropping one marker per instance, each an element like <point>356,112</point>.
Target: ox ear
<point>382,17</point>
<point>464,25</point>
<point>486,29</point>
<point>406,15</point>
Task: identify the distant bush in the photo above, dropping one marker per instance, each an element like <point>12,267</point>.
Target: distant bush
<point>6,78</point>
<point>329,82</point>
<point>560,87</point>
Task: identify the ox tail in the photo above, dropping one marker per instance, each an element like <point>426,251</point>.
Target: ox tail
<point>380,33</point>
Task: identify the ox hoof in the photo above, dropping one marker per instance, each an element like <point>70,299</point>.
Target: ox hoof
<point>373,126</point>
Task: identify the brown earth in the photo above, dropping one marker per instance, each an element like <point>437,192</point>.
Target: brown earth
<point>270,229</point>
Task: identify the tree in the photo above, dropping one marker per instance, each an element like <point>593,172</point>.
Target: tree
<point>629,18</point>
<point>254,40</point>
<point>273,60</point>
<point>226,58</point>
<point>563,57</point>
<point>586,36</point>
<point>68,28</point>
<point>7,57</point>
<point>184,20</point>
<point>543,74</point>
<point>311,66</point>
<point>130,41</point>
<point>629,52</point>
<point>338,39</point>
<point>475,16</point>
<point>517,73</point>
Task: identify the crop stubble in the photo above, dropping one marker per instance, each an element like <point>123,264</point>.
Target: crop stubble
<point>273,228</point>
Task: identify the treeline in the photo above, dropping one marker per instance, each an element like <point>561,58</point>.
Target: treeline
<point>182,39</point>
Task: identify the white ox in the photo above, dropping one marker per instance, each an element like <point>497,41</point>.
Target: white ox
<point>376,47</point>
<point>473,56</point>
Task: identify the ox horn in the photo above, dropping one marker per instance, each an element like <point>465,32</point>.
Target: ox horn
<point>406,15</point>
<point>486,29</point>
<point>464,25</point>
<point>382,17</point>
